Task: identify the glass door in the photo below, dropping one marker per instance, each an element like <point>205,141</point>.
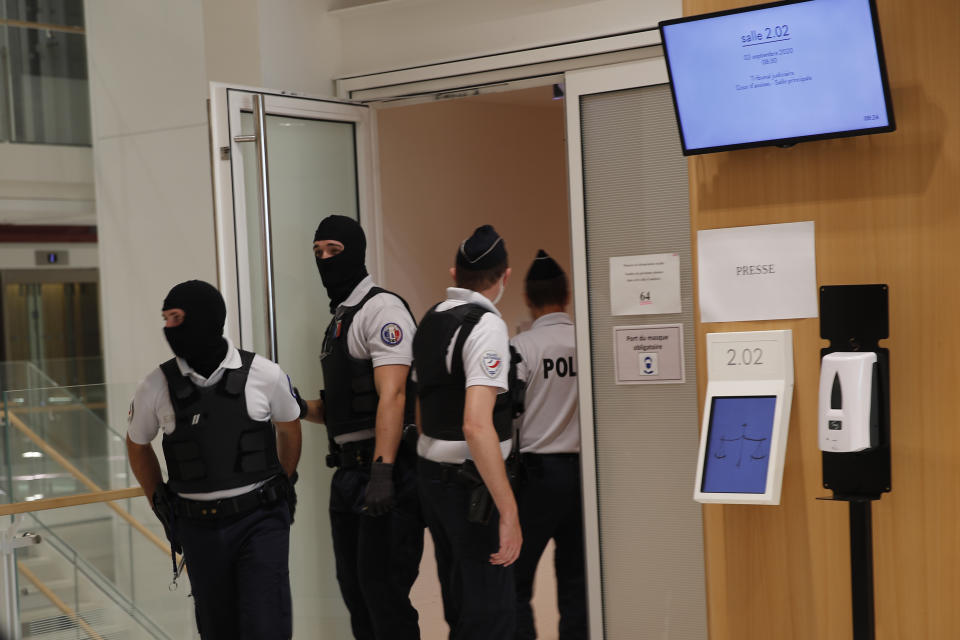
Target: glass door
<point>281,164</point>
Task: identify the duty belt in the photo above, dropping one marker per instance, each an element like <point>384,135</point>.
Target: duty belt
<point>446,472</point>
<point>273,491</point>
<point>352,455</point>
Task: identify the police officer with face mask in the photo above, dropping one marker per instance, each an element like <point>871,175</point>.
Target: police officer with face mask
<point>231,441</point>
<point>374,510</point>
<point>549,488</point>
<point>462,362</point>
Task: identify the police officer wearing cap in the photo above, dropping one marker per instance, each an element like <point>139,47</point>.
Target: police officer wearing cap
<point>374,510</point>
<point>462,363</point>
<point>548,492</point>
<point>231,440</point>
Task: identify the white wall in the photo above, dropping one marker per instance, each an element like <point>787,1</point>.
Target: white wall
<point>149,65</point>
<point>403,33</point>
<point>46,184</point>
<point>292,45</point>
<point>154,213</point>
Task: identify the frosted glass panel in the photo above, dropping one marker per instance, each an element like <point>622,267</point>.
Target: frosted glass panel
<point>312,173</point>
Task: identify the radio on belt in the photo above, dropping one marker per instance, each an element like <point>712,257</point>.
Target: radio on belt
<point>849,402</point>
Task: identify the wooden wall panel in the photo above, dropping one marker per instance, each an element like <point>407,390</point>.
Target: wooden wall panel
<point>887,209</point>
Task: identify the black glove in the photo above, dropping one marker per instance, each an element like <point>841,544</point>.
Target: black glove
<point>380,498</point>
<point>291,496</point>
<point>304,409</point>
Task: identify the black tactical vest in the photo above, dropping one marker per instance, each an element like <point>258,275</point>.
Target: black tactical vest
<point>442,393</point>
<point>350,397</point>
<point>216,445</point>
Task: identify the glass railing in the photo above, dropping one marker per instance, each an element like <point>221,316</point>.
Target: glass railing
<point>107,562</point>
<point>57,442</point>
<point>71,372</point>
<point>23,374</point>
<point>101,565</point>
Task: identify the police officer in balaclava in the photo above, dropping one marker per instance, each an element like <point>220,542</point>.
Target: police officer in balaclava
<point>231,443</point>
<point>548,492</point>
<point>374,510</point>
<point>198,338</point>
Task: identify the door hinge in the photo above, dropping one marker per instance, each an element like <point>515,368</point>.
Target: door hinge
<point>224,153</point>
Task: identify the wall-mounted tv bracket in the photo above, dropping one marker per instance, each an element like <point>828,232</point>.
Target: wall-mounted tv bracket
<point>855,318</point>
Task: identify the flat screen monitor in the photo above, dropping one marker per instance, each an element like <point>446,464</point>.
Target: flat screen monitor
<point>737,455</point>
<point>777,74</point>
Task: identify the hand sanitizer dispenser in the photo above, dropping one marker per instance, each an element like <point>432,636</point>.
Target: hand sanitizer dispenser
<point>849,403</point>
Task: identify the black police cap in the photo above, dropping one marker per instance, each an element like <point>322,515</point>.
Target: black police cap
<point>544,268</point>
<point>483,250</point>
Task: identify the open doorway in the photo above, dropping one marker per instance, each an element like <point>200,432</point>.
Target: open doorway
<point>446,167</point>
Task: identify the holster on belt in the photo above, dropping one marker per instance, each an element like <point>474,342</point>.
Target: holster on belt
<point>163,508</point>
<point>480,506</point>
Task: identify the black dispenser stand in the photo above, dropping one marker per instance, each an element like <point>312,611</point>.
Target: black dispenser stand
<point>855,318</point>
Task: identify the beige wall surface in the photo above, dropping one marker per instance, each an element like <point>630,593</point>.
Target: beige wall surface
<point>448,167</point>
<point>886,211</point>
<point>402,33</point>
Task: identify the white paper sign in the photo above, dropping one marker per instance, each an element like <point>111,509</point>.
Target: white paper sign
<point>642,285</point>
<point>766,272</point>
<point>649,354</point>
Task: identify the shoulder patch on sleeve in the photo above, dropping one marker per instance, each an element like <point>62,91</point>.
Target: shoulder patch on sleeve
<point>130,413</point>
<point>391,334</point>
<point>492,363</point>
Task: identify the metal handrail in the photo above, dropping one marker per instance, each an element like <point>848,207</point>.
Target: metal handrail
<point>21,426</point>
<point>69,501</point>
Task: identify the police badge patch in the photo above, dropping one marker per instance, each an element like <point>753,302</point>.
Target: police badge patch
<point>391,334</point>
<point>491,363</point>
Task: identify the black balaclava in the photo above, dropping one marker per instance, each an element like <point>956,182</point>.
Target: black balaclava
<point>344,271</point>
<point>199,338</point>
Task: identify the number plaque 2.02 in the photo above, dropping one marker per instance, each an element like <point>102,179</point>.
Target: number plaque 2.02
<point>747,355</point>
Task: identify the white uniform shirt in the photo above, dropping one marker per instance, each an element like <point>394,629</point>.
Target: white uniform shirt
<point>382,332</point>
<point>268,393</point>
<point>486,362</point>
<point>551,422</point>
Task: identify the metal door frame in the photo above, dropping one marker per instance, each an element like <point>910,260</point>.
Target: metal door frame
<point>227,103</point>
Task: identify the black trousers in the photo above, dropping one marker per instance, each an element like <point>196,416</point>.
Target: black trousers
<point>549,501</point>
<point>377,558</point>
<point>239,573</point>
<point>478,597</point>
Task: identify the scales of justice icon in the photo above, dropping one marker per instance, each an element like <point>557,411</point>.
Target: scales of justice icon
<point>758,452</point>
